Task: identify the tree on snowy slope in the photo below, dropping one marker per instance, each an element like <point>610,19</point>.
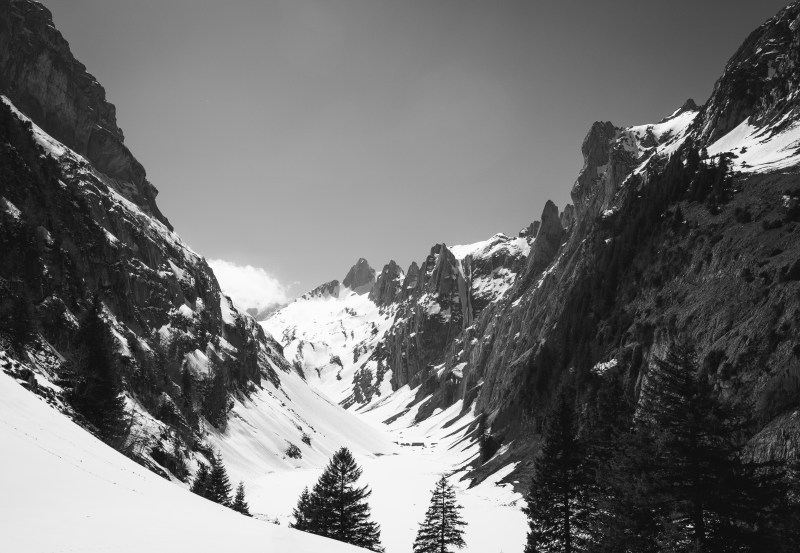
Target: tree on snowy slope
<point>200,482</point>
<point>302,512</point>
<point>336,508</point>
<point>558,509</point>
<point>97,394</point>
<point>219,486</point>
<point>213,483</point>
<point>442,527</point>
<point>239,502</point>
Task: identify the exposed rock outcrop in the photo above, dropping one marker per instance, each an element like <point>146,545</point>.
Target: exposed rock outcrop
<point>42,78</point>
<point>389,285</point>
<point>360,278</point>
<point>548,240</point>
<point>330,288</point>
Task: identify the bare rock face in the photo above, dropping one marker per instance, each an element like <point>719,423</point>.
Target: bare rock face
<point>568,217</point>
<point>548,240</point>
<point>42,78</point>
<point>330,288</point>
<point>180,345</point>
<point>604,168</point>
<point>530,231</point>
<point>612,281</point>
<point>360,278</point>
<point>411,280</point>
<point>758,79</point>
<point>389,285</point>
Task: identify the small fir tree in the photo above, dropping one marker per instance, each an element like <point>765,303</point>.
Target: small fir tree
<point>219,486</point>
<point>302,512</point>
<point>239,502</point>
<point>442,528</point>
<point>200,482</point>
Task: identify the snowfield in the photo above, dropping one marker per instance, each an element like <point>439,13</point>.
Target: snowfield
<point>65,491</point>
<point>401,477</point>
<point>319,332</point>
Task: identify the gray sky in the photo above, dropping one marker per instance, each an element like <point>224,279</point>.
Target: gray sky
<point>299,135</point>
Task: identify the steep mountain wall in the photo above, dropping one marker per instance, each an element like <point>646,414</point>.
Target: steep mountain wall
<point>651,261</point>
<point>78,225</point>
<point>42,78</point>
<point>681,230</point>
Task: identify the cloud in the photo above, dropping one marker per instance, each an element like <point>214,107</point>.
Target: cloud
<point>248,286</point>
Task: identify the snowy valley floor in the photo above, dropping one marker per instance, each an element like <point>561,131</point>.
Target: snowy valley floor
<point>401,477</point>
<point>64,491</point>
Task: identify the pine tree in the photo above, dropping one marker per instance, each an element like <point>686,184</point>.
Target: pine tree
<point>336,508</point>
<point>302,512</point>
<point>201,480</point>
<point>239,502</point>
<point>219,486</point>
<point>710,498</point>
<point>559,511</point>
<point>442,527</point>
<point>97,393</point>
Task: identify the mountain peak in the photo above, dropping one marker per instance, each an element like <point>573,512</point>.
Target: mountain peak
<point>360,278</point>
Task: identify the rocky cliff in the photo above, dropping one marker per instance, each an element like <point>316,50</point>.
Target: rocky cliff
<point>360,278</point>
<point>666,245</point>
<point>40,76</point>
<point>680,230</point>
<point>78,225</point>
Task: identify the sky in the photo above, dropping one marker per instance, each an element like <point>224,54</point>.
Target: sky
<point>295,136</point>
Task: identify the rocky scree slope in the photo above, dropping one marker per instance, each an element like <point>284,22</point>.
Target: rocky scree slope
<point>78,221</point>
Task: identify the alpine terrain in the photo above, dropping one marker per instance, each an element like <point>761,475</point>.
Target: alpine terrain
<point>647,332</point>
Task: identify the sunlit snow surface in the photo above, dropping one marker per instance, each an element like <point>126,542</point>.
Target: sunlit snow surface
<point>315,331</point>
<point>65,491</point>
<point>760,149</point>
<point>401,476</point>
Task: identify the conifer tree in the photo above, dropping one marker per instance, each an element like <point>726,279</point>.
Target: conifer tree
<point>302,513</point>
<point>200,482</point>
<point>715,500</point>
<point>219,486</point>
<point>337,508</point>
<point>97,393</point>
<point>559,502</point>
<point>239,502</point>
<point>442,528</point>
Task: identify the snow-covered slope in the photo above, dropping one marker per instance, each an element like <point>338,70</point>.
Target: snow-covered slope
<point>64,490</point>
<point>329,337</point>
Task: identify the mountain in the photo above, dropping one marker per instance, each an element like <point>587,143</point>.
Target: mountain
<point>79,227</point>
<point>681,230</point>
<point>81,236</point>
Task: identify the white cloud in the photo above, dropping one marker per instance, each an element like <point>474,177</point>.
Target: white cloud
<point>248,286</point>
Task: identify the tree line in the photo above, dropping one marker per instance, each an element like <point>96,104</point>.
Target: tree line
<point>669,474</point>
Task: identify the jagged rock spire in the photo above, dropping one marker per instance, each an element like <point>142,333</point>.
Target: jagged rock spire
<point>360,278</point>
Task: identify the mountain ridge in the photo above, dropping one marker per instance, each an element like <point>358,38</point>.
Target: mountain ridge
<point>647,232</point>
